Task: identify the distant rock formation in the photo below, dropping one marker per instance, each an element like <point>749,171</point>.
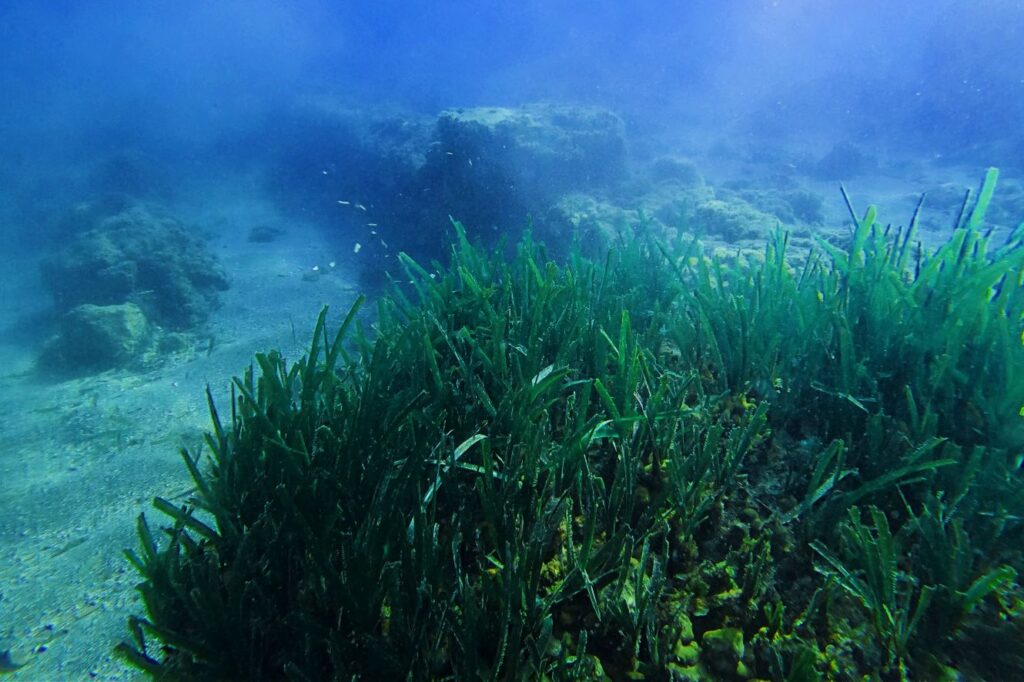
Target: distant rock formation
<point>124,284</point>
<point>98,337</point>
<point>387,182</point>
<point>142,256</point>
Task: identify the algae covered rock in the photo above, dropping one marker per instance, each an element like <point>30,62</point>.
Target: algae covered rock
<point>325,149</point>
<point>99,337</point>
<point>722,651</point>
<point>142,256</point>
<point>587,217</point>
<point>676,170</point>
<point>731,220</point>
<point>546,148</point>
<point>791,205</point>
<point>491,166</point>
<point>403,174</point>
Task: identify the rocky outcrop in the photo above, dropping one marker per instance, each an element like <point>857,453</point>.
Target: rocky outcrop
<point>98,337</point>
<point>140,256</point>
<point>390,183</point>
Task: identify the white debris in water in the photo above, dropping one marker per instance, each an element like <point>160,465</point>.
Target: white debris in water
<point>331,264</point>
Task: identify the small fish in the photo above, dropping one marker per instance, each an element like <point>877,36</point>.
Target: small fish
<point>324,172</point>
<point>373,231</point>
<point>383,243</point>
<point>371,224</point>
<point>450,153</point>
<point>316,268</point>
<point>343,202</point>
<point>356,248</point>
<point>360,207</point>
<point>331,264</point>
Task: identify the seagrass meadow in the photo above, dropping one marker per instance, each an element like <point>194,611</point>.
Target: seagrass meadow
<point>636,462</point>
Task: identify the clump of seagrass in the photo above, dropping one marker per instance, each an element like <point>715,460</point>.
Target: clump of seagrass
<point>659,465</point>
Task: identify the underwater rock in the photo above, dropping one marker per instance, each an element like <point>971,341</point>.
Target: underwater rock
<point>85,215</point>
<point>684,660</point>
<point>682,171</point>
<point>546,148</point>
<point>140,256</point>
<point>173,343</point>
<point>732,219</point>
<point>588,218</point>
<point>790,206</point>
<point>806,205</point>
<point>673,204</point>
<point>326,150</point>
<point>844,161</point>
<point>491,166</point>
<point>98,337</point>
<point>385,172</point>
<point>722,651</point>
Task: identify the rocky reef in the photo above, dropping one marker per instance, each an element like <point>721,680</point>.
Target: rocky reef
<point>390,181</point>
<point>124,282</point>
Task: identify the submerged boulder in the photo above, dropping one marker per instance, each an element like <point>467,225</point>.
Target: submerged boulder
<point>491,166</point>
<point>676,170</point>
<point>588,219</point>
<point>324,150</point>
<point>545,148</point>
<point>98,337</point>
<point>791,206</point>
<point>142,256</point>
<point>732,220</point>
<point>389,180</point>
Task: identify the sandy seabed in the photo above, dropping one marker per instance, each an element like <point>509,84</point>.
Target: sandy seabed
<point>82,457</point>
